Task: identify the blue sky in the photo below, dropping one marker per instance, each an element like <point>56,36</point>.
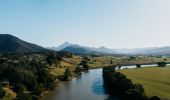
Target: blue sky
<point>95,23</point>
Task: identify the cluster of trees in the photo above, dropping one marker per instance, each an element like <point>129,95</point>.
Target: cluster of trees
<point>29,74</point>
<point>78,70</point>
<point>138,65</point>
<point>118,85</point>
<point>161,64</point>
<point>132,57</point>
<point>82,66</point>
<point>67,74</point>
<point>84,63</point>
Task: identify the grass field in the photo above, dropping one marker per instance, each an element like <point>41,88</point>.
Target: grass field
<point>155,80</point>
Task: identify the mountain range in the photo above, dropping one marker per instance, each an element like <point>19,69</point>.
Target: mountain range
<point>75,48</point>
<point>12,44</point>
<point>78,49</point>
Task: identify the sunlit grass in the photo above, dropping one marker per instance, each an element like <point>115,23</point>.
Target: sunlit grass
<point>155,80</point>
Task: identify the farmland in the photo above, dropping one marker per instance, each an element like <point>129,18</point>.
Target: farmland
<point>155,80</point>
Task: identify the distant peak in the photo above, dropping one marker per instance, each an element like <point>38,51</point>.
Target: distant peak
<point>66,42</point>
<point>102,47</point>
<point>64,45</point>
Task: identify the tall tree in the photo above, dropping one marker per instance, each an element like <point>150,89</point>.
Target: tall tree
<point>84,63</point>
<point>67,74</point>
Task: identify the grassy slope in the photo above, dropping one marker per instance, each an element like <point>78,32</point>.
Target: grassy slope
<point>155,80</point>
<point>75,60</point>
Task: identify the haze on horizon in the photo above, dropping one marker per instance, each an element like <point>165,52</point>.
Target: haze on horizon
<point>94,23</point>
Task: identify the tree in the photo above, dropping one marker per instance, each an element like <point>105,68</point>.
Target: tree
<point>132,57</point>
<point>46,78</point>
<point>35,97</point>
<point>84,63</point>
<point>111,61</point>
<point>22,95</point>
<point>53,58</point>
<point>39,90</point>
<point>119,66</point>
<point>165,59</point>
<point>78,70</point>
<point>138,65</point>
<point>67,74</point>
<point>139,88</point>
<point>19,87</point>
<point>161,64</point>
<point>26,78</point>
<point>2,92</point>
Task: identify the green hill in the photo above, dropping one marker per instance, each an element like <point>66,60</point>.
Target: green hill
<point>12,44</point>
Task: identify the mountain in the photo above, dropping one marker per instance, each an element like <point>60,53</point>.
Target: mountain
<point>64,45</point>
<point>155,51</point>
<point>77,49</point>
<point>146,51</point>
<point>12,44</point>
<point>61,47</point>
<point>106,50</point>
<point>74,48</point>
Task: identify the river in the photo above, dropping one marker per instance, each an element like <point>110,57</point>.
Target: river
<point>89,86</point>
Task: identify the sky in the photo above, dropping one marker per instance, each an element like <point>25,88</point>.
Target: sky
<point>94,23</point>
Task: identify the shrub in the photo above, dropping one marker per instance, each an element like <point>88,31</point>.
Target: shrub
<point>161,64</point>
<point>138,65</point>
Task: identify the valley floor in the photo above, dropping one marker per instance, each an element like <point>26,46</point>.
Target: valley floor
<point>96,62</point>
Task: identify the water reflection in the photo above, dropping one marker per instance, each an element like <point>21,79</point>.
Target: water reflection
<point>86,71</point>
<point>98,87</point>
<point>78,79</point>
<point>89,86</point>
